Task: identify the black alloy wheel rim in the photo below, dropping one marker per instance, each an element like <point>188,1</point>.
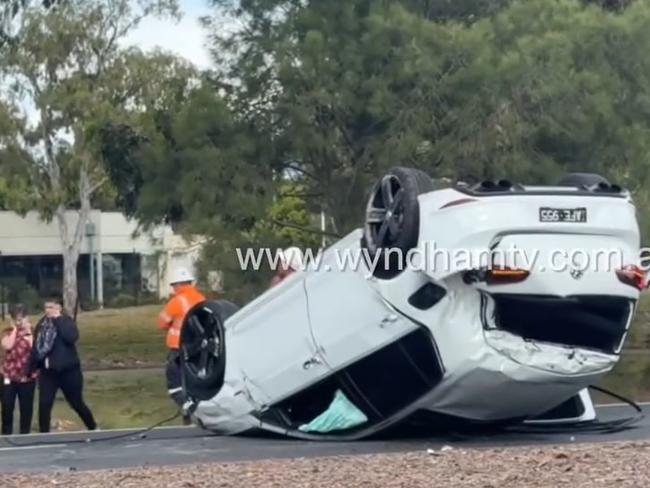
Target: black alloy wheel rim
<point>385,212</point>
<point>202,346</point>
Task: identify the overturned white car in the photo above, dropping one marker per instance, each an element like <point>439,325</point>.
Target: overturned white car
<point>512,329</point>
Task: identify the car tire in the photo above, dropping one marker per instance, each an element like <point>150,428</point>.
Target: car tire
<point>392,222</point>
<point>583,180</point>
<point>203,348</point>
<point>226,309</point>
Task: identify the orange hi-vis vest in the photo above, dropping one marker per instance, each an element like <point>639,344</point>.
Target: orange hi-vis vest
<point>173,315</point>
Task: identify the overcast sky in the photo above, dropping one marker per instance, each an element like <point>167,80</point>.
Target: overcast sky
<point>185,38</point>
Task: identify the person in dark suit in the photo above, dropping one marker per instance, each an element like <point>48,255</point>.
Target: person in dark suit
<point>55,356</point>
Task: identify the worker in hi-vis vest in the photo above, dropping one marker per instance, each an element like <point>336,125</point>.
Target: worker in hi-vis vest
<point>171,318</point>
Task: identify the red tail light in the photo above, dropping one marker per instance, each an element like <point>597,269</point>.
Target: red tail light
<point>632,275</point>
<point>505,275</point>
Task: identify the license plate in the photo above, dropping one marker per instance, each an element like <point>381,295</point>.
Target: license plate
<point>575,215</point>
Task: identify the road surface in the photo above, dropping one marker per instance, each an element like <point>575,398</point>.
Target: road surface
<point>186,445</point>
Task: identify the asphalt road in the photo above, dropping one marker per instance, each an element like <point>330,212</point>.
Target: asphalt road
<point>186,445</point>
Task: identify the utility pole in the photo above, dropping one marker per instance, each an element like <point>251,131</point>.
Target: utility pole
<point>90,233</point>
<point>136,276</point>
<point>100,279</point>
<point>322,228</point>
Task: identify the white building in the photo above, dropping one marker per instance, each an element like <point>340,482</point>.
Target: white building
<point>31,247</point>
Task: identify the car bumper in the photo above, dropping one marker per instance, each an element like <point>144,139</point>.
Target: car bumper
<point>510,378</point>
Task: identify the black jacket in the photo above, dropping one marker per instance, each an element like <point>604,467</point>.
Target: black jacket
<point>63,355</point>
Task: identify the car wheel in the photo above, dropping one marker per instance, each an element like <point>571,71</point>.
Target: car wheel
<point>225,308</point>
<point>203,348</point>
<point>392,223</point>
<point>583,180</point>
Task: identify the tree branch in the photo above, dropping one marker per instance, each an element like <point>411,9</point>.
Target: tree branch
<point>301,195</point>
<point>93,188</point>
<point>300,170</point>
<point>304,229</point>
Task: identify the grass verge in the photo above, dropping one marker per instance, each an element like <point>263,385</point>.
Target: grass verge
<point>121,338</point>
<point>118,399</point>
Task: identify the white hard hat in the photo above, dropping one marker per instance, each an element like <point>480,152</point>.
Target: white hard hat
<point>292,257</point>
<point>181,275</point>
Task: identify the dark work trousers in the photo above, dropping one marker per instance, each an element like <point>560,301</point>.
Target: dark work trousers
<point>24,392</point>
<point>71,383</point>
<point>173,374</point>
<point>174,380</point>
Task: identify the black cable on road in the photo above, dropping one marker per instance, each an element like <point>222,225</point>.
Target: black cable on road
<point>140,434</point>
<point>589,427</point>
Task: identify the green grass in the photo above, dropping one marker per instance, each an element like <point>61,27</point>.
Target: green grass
<point>119,399</point>
<point>121,338</point>
<point>631,376</point>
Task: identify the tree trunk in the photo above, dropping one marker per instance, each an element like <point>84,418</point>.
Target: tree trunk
<point>70,249</point>
<point>71,242</point>
<point>70,292</point>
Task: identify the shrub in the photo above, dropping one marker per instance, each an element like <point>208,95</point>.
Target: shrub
<point>121,300</point>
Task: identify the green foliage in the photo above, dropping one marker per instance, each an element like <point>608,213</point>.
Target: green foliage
<point>287,221</point>
<point>239,285</point>
<point>10,10</point>
<point>467,90</point>
<point>162,85</point>
<point>358,81</point>
<point>19,291</point>
<point>194,165</point>
<point>456,10</point>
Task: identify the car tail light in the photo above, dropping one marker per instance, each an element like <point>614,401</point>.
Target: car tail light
<point>505,275</point>
<point>632,275</point>
<point>460,201</point>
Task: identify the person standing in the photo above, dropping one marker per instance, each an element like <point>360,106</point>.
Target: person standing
<point>171,318</point>
<point>17,384</point>
<point>55,356</point>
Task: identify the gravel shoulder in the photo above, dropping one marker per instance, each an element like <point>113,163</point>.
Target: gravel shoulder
<point>578,466</point>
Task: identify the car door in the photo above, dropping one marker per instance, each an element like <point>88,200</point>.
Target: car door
<point>348,317</point>
<point>271,345</point>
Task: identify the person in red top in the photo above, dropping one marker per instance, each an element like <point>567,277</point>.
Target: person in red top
<point>17,344</point>
<point>171,318</point>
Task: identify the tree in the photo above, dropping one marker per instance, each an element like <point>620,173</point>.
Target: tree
<point>162,86</point>
<point>70,68</point>
<point>10,10</point>
<point>288,220</point>
<point>344,90</point>
<point>468,90</point>
<point>197,167</point>
<point>467,11</point>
